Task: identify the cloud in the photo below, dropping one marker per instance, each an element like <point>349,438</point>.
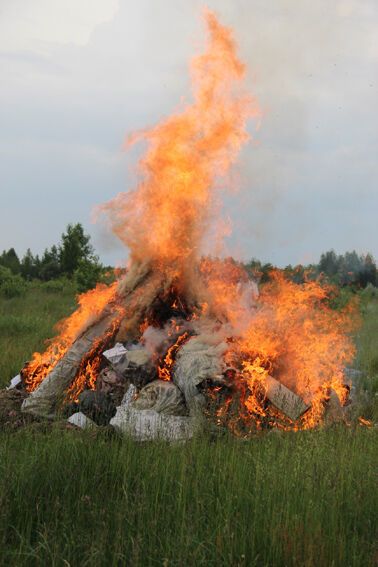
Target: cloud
<point>27,25</point>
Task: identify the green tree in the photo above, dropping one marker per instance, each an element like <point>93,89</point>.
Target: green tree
<point>368,274</point>
<point>88,274</point>
<point>28,265</point>
<point>50,264</point>
<point>258,270</point>
<point>351,266</point>
<point>329,264</point>
<point>10,260</point>
<point>75,248</point>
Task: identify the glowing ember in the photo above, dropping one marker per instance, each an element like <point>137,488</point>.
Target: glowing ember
<point>365,422</point>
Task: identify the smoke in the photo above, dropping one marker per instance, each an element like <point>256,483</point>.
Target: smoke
<point>157,340</point>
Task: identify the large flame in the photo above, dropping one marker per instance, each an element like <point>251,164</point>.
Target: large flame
<point>165,218</point>
<point>295,336</point>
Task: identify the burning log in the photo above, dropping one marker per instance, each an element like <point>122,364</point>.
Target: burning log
<point>146,297</point>
<point>130,298</point>
<point>45,399</point>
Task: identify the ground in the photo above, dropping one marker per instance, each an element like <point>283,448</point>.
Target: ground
<point>73,498</point>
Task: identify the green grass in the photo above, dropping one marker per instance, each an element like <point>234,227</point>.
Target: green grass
<point>26,322</point>
<point>368,338</point>
<point>292,499</point>
<point>279,499</point>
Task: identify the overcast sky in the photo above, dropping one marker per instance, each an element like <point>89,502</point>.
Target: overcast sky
<point>77,76</point>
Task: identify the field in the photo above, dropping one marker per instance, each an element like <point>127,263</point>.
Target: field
<point>71,498</point>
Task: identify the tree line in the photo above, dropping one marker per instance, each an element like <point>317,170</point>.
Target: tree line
<point>349,269</point>
<point>73,257</point>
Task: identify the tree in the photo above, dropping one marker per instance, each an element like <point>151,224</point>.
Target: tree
<point>368,274</point>
<point>75,248</point>
<point>258,270</point>
<point>10,260</point>
<point>28,265</point>
<point>350,268</point>
<point>87,275</point>
<point>50,264</point>
<point>329,263</point>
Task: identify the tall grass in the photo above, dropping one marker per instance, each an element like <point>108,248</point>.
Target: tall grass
<point>27,321</point>
<point>295,499</point>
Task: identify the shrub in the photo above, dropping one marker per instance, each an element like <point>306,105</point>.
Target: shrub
<point>55,286</point>
<point>11,285</point>
<point>87,275</point>
<point>370,292</point>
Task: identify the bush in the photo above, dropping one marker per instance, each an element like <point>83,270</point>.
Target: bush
<point>11,285</point>
<point>87,275</point>
<point>370,292</point>
<point>55,286</point>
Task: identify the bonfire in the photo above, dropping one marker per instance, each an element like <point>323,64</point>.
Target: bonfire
<point>180,339</point>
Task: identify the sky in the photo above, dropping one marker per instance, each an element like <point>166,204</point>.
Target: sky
<point>78,76</point>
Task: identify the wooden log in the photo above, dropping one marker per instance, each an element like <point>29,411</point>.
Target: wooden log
<point>140,301</point>
<point>133,278</point>
<point>44,400</point>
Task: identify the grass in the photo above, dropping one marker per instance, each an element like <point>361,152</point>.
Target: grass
<point>293,499</point>
<point>26,322</point>
<point>72,498</point>
<point>367,358</point>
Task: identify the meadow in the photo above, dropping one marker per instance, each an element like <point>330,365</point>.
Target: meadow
<point>81,498</point>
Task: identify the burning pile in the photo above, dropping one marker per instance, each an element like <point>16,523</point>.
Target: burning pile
<point>181,336</point>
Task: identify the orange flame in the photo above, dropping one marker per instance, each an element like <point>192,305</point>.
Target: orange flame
<point>91,305</point>
<point>165,367</point>
<point>164,219</point>
<point>86,377</point>
<point>295,336</point>
<point>365,422</point>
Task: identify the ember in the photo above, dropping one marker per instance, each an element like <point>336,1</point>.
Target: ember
<point>265,359</point>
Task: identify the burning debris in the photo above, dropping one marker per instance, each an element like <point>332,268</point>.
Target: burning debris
<point>181,337</point>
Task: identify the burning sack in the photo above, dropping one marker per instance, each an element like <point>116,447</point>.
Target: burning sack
<point>197,362</point>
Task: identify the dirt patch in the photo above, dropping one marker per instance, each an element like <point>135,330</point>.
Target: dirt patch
<point>11,417</point>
